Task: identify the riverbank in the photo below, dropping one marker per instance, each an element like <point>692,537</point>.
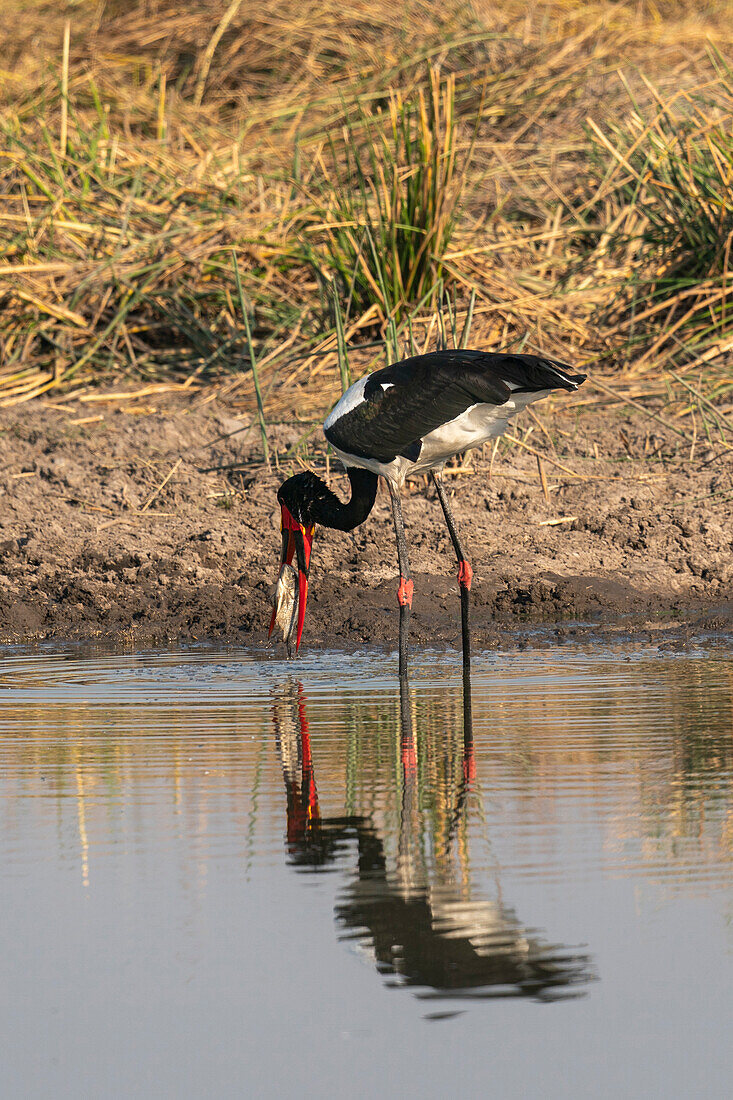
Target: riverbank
<point>153,520</point>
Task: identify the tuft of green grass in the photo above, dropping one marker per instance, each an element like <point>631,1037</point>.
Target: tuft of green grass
<point>385,205</point>
<point>669,226</point>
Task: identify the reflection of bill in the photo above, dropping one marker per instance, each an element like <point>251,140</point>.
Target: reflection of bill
<point>417,917</point>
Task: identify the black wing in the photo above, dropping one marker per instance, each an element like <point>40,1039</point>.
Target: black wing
<point>407,400</point>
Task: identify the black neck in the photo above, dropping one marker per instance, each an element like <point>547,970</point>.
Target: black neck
<point>345,517</point>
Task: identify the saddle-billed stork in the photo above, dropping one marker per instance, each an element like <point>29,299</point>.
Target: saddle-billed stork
<point>402,420</point>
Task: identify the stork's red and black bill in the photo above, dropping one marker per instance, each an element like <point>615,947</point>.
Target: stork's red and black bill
<point>297,542</point>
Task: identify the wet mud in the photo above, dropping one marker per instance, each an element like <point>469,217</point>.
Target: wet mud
<point>158,525</point>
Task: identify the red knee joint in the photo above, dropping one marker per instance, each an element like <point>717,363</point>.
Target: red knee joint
<point>465,575</point>
<point>404,592</point>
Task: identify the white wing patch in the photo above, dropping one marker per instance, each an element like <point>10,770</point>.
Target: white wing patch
<point>353,397</point>
<point>386,385</point>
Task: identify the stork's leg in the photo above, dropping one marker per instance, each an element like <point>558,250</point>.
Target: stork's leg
<point>465,573</point>
<point>404,593</point>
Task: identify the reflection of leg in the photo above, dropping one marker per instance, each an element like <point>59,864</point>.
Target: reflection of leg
<point>409,827</point>
<point>407,740</point>
<point>465,573</point>
<point>469,765</point>
<point>404,593</point>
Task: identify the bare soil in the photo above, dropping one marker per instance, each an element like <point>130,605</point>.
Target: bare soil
<point>95,543</point>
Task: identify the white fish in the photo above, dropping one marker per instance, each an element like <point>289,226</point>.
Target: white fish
<point>285,602</point>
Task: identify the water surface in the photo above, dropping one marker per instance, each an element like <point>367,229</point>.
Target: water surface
<point>224,876</point>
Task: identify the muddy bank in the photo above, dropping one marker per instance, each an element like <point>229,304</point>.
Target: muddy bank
<point>143,526</point>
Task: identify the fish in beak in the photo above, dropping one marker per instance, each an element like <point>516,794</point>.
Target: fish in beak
<point>290,598</point>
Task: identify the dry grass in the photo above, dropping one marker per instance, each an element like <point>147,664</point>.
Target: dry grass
<point>553,160</point>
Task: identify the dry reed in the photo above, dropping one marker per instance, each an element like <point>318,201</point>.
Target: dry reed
<point>413,148</point>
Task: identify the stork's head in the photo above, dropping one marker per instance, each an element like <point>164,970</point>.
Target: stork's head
<point>305,500</point>
<point>298,498</point>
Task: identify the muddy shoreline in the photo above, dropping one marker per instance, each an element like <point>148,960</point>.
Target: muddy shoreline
<point>146,525</point>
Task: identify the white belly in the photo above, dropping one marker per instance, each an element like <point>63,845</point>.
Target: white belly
<point>472,428</point>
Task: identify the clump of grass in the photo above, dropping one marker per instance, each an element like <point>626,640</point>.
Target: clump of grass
<point>669,222</point>
<point>115,255</point>
<point>385,206</point>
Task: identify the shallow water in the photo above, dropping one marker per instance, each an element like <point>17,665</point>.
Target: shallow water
<point>223,876</point>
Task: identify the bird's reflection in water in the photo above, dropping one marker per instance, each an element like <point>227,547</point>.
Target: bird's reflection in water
<point>410,902</point>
